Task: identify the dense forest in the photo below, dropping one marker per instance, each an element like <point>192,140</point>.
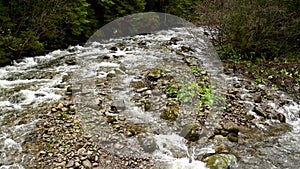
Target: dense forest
<point>247,29</point>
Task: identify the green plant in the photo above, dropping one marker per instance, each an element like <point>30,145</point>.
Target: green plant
<point>86,116</point>
<point>192,92</point>
<point>63,116</point>
<point>259,79</point>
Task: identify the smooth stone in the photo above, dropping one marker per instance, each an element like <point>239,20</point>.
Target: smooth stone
<point>220,161</point>
<point>71,163</point>
<point>87,164</point>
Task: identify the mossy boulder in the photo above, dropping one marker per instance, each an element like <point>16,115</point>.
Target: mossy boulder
<point>220,161</point>
<point>154,74</point>
<point>191,132</point>
<point>170,113</point>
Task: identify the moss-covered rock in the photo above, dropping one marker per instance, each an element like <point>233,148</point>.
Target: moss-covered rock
<point>154,74</point>
<point>191,132</point>
<point>220,161</point>
<point>170,113</point>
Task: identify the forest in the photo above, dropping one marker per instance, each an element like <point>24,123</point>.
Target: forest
<point>247,30</point>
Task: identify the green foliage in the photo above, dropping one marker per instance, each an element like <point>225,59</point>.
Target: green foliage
<point>192,92</point>
<point>31,27</point>
<point>182,8</point>
<point>253,29</point>
<point>109,10</point>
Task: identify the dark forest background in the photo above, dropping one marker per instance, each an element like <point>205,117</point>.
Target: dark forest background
<point>246,29</point>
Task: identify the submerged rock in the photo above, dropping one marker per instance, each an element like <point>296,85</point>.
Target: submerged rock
<point>148,144</point>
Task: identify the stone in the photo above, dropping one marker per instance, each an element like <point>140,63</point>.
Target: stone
<point>111,119</point>
<point>81,151</point>
<point>170,113</point>
<point>120,104</point>
<point>70,163</point>
<point>258,99</point>
<point>191,132</point>
<point>87,164</point>
<point>174,40</point>
<point>154,75</point>
<point>231,127</point>
<point>186,48</point>
<point>73,89</point>
<point>281,117</point>
<point>147,105</point>
<point>221,161</point>
<point>148,92</point>
<point>148,144</point>
<point>233,137</point>
<point>71,61</point>
<point>259,111</point>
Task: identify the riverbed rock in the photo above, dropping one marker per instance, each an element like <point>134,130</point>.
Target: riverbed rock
<point>220,161</point>
<point>259,111</point>
<point>71,61</point>
<point>231,127</point>
<point>147,143</point>
<point>154,74</point>
<point>191,132</point>
<point>87,164</point>
<point>170,113</point>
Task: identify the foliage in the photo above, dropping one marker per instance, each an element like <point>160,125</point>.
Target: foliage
<point>109,10</point>
<point>252,29</point>
<point>181,8</point>
<point>192,92</point>
<point>31,27</point>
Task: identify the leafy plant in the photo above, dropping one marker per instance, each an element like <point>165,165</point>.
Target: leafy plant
<point>259,79</point>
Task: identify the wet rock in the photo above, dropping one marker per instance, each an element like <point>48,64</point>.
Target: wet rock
<point>70,164</point>
<point>258,99</point>
<point>120,105</point>
<point>220,161</point>
<point>148,144</point>
<point>73,89</point>
<point>170,113</point>
<point>154,75</point>
<point>281,117</point>
<point>147,105</point>
<point>71,61</point>
<point>279,129</point>
<point>221,148</point>
<point>259,111</point>
<point>233,137</point>
<point>103,57</point>
<point>249,117</point>
<point>114,48</point>
<point>174,40</point>
<point>231,127</point>
<point>191,61</point>
<point>137,84</point>
<point>87,164</point>
<point>111,119</point>
<point>186,48</point>
<point>191,132</point>
<point>114,109</point>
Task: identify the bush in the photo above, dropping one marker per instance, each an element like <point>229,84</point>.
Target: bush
<point>260,28</point>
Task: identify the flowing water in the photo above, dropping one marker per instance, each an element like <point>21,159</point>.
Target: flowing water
<point>30,85</point>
